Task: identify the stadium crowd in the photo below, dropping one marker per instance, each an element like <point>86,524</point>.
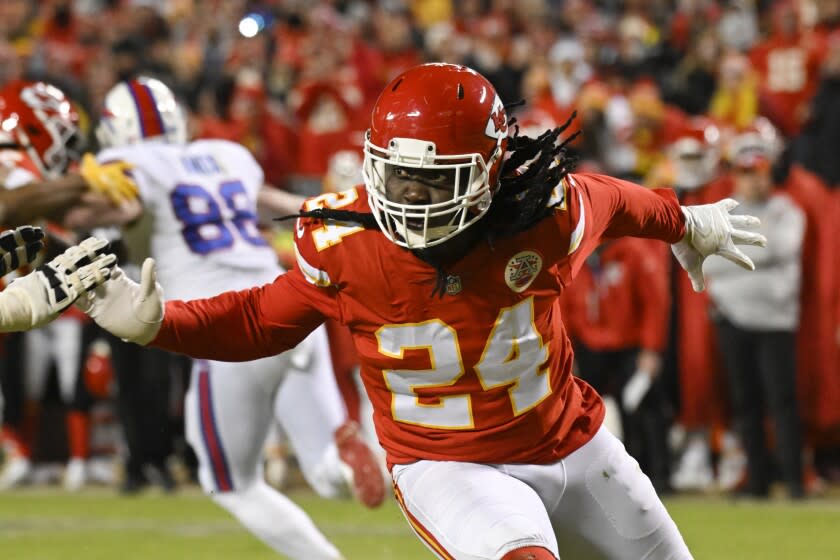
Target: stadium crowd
<point>714,98</point>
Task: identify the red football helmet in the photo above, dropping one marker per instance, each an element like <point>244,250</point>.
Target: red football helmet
<point>38,118</point>
<point>757,144</point>
<point>695,154</point>
<point>435,116</point>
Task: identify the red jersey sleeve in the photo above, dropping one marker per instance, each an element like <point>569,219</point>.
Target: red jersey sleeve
<point>261,321</point>
<point>837,319</point>
<point>246,325</point>
<point>598,207</point>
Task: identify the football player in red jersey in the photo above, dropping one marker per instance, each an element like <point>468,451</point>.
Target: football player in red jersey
<point>788,65</point>
<point>39,141</point>
<point>447,267</point>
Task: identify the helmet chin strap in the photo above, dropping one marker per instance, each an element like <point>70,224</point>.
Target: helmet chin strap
<point>416,240</point>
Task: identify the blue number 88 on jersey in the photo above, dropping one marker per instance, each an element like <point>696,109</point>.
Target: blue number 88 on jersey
<point>205,227</point>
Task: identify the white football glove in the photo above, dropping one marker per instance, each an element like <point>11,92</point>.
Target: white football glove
<point>635,390</point>
<point>121,306</point>
<point>37,298</point>
<point>711,230</point>
<point>19,246</point>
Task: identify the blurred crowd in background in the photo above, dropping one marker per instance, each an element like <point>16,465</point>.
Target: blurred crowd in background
<point>734,387</point>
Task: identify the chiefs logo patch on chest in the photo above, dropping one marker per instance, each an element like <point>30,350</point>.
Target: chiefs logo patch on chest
<point>522,269</point>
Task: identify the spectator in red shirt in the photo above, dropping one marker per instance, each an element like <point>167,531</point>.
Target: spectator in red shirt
<point>788,66</point>
<point>245,116</point>
<point>327,103</point>
<point>392,26</point>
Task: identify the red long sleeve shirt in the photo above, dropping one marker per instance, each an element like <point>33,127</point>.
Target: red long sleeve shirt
<point>482,374</point>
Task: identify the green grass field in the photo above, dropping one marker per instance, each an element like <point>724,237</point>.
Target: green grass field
<point>47,524</point>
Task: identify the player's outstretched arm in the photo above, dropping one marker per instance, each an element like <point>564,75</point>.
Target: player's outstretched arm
<point>111,179</point>
<point>710,229</point>
<point>615,208</point>
<point>40,296</point>
<point>232,326</point>
<point>52,198</point>
<point>19,247</point>
<point>273,203</point>
<point>40,199</point>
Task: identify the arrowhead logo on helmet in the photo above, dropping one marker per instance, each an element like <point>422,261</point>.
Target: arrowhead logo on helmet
<point>39,119</point>
<point>497,122</point>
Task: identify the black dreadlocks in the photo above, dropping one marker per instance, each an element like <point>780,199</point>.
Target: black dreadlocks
<point>535,166</point>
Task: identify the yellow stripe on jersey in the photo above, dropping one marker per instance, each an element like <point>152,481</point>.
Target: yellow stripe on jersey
<point>420,530</point>
<point>314,275</point>
<point>558,196</point>
<point>577,233</point>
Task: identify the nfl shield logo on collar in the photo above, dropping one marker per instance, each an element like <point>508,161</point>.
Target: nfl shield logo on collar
<point>522,269</point>
<point>453,285</point>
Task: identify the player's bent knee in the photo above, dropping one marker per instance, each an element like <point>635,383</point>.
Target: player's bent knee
<point>530,553</point>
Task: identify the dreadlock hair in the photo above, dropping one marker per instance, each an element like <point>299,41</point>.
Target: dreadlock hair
<point>366,220</point>
<point>534,167</point>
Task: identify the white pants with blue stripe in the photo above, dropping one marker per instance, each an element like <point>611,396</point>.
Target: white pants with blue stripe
<point>230,407</point>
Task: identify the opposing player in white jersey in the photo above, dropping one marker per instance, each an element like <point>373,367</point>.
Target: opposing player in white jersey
<point>201,196</point>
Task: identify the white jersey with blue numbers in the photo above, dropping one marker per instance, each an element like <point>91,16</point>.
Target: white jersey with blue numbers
<point>202,197</point>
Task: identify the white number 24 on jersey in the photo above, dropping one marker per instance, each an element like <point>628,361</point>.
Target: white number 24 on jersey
<point>513,356</point>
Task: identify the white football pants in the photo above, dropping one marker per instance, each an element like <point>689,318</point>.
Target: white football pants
<point>595,503</point>
<point>59,342</point>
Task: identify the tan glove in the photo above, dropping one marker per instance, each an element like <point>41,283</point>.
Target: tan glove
<point>110,179</point>
<point>39,297</point>
<point>131,311</point>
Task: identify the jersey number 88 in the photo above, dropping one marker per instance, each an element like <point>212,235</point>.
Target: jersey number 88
<point>206,230</point>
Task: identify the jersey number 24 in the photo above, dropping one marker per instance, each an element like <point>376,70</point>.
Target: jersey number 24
<point>514,357</point>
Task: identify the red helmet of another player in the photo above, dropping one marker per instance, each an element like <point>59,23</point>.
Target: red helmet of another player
<point>695,154</point>
<point>38,118</point>
<point>757,145</point>
<point>533,122</point>
<point>435,116</point>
